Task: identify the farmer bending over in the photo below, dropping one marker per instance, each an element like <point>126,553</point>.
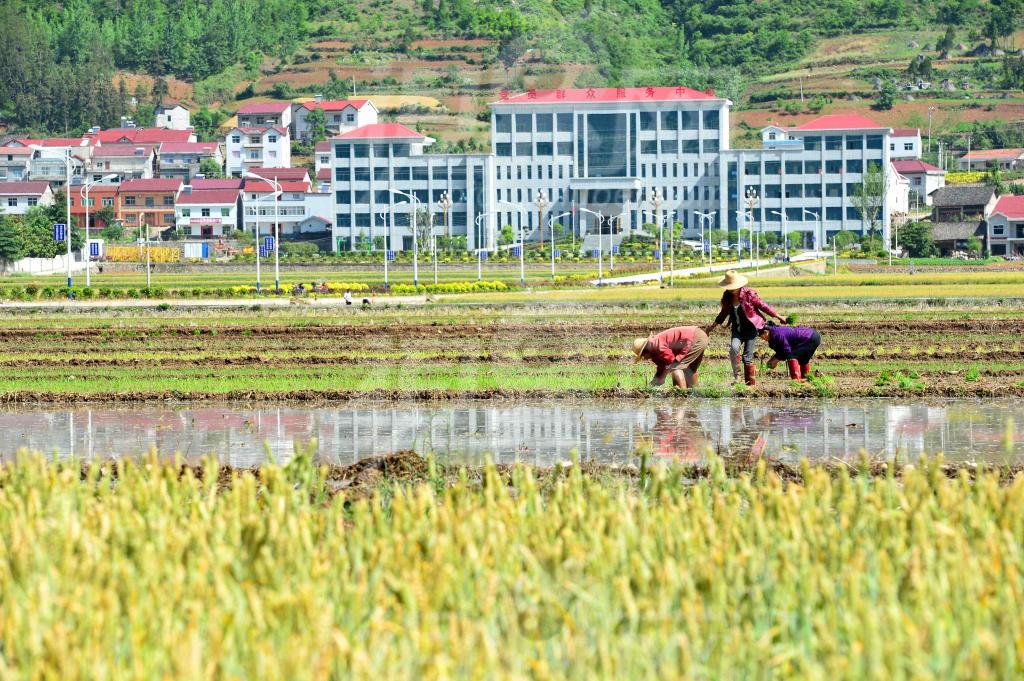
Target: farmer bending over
<point>677,352</point>
<point>746,314</point>
<point>794,345</point>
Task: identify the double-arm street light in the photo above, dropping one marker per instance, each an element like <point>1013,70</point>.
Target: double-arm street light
<point>415,202</point>
<point>522,257</point>
<point>600,243</point>
<point>84,192</point>
<point>709,216</point>
<point>785,234</point>
<point>656,201</point>
<point>66,157</point>
<point>551,229</point>
<point>277,231</point>
<point>819,237</point>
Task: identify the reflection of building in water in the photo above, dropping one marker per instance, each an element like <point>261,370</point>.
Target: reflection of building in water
<point>535,433</point>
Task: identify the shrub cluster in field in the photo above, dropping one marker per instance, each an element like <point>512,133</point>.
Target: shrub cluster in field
<point>34,292</point>
<point>177,573</point>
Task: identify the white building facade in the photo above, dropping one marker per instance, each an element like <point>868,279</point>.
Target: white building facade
<point>206,213</point>
<point>905,144</point>
<point>340,116</point>
<point>172,116</point>
<point>247,148</point>
<point>372,164</point>
<point>16,198</point>
<point>1005,225</point>
<point>924,179</point>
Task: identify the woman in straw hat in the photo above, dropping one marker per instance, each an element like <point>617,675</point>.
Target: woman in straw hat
<point>677,352</point>
<point>745,312</point>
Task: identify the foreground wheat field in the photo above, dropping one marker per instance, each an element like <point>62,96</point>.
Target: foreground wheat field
<point>154,570</point>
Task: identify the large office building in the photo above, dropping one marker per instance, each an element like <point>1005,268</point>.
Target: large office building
<point>599,157</point>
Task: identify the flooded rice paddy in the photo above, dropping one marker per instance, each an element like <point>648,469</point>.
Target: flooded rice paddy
<point>540,433</point>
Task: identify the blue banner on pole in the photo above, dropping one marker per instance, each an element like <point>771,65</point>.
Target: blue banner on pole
<point>94,249</point>
<point>664,246</point>
<point>615,250</point>
<point>268,243</point>
<point>390,255</point>
<point>516,251</point>
<point>60,231</point>
<point>558,253</point>
<point>483,255</point>
<point>595,253</point>
<point>657,253</point>
<point>263,252</point>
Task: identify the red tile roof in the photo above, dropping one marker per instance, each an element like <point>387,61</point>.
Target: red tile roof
<point>323,175</point>
<point>140,135</point>
<point>248,130</point>
<point>608,94</point>
<point>381,131</point>
<point>17,151</point>
<point>188,147</point>
<point>323,145</point>
<point>257,187</point>
<point>115,150</point>
<point>1010,206</point>
<point>53,142</point>
<point>216,183</point>
<point>23,188</point>
<point>208,197</point>
<point>913,167</point>
<point>906,132</point>
<point>337,104</point>
<point>264,108</point>
<point>840,122</point>
<point>281,173</point>
<point>994,153</point>
<point>151,185</point>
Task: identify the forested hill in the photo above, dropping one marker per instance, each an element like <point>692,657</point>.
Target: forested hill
<point>58,65</point>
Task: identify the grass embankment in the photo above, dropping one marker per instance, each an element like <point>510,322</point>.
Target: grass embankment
<point>483,352</point>
<point>299,573</point>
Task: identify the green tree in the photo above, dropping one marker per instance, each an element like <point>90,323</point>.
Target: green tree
<point>209,167</point>
<point>869,196</point>
<point>885,98</point>
<point>507,235</point>
<point>916,237</point>
<point>974,246</point>
<point>12,240</point>
<point>994,179</point>
<point>317,122</point>
<point>947,41</point>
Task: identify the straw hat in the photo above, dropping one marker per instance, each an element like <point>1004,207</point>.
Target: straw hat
<point>733,280</point>
<point>639,345</point>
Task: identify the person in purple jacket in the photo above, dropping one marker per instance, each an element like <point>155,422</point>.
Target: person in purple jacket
<point>794,345</point>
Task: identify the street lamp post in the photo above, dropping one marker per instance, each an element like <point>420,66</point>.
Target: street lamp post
<point>656,202</point>
<point>785,234</point>
<point>751,198</point>
<point>415,245</point>
<point>277,262</point>
<point>551,229</point>
<point>819,237</point>
<point>84,192</point>
<point>66,157</point>
<point>444,203</point>
<point>433,245</point>
<point>600,243</point>
<point>522,255</point>
<point>387,244</point>
<point>709,216</point>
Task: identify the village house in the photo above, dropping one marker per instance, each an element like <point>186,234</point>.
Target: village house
<point>127,161</point>
<point>207,213</point>
<point>172,116</point>
<point>962,203</point>
<point>1005,227</point>
<point>15,163</point>
<point>905,143</point>
<point>981,159</point>
<point>265,115</point>
<point>101,196</point>
<point>183,160</point>
<point>924,178</point>
<point>253,147</point>
<point>16,198</point>
<point>149,201</point>
<point>340,115</point>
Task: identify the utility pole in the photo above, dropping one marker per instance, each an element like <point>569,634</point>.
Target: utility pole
<point>541,202</point>
<point>930,110</point>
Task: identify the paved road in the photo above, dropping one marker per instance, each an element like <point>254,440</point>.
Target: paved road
<point>717,267</point>
<point>212,303</point>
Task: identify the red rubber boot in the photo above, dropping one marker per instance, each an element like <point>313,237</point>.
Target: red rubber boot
<point>805,370</point>
<point>749,373</point>
<point>794,369</point>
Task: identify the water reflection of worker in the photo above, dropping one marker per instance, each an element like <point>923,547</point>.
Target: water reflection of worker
<point>794,345</point>
<point>677,352</point>
<point>678,435</point>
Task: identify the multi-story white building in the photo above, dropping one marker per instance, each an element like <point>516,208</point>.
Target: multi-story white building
<point>172,116</point>
<point>605,150</point>
<point>247,148</point>
<point>806,177</point>
<point>183,159</point>
<point>905,143</point>
<point>207,213</point>
<point>372,163</point>
<point>1005,224</point>
<point>340,115</point>
<point>16,198</point>
<point>127,161</point>
<point>15,163</point>
<point>265,115</point>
